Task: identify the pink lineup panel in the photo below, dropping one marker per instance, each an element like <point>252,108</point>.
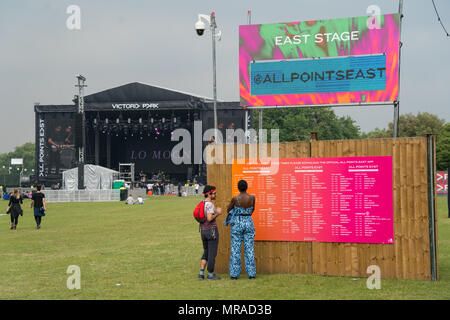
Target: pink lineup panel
<point>343,199</point>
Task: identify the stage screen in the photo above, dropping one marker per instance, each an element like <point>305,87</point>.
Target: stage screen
<point>343,199</point>
<point>55,144</point>
<point>320,62</point>
<point>152,154</point>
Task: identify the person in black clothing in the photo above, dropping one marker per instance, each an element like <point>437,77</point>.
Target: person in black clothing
<point>209,234</point>
<point>14,208</point>
<point>38,203</point>
<point>68,135</point>
<point>55,142</point>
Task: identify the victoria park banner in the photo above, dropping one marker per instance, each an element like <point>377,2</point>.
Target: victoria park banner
<point>320,62</point>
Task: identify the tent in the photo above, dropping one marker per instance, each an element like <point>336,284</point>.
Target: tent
<point>95,178</point>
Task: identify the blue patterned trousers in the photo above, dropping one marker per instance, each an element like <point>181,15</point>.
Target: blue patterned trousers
<point>242,230</point>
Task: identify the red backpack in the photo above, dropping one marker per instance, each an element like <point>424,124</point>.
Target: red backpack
<point>199,212</point>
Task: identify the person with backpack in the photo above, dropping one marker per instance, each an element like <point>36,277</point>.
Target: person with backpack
<point>239,217</point>
<point>206,214</point>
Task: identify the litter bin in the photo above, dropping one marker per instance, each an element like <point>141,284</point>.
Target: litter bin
<point>123,194</point>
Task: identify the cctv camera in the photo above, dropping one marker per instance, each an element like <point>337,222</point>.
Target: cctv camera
<point>200,27</point>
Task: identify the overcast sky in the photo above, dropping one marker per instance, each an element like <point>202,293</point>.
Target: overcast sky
<point>155,42</point>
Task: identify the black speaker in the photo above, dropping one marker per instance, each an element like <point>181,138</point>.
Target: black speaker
<point>78,130</point>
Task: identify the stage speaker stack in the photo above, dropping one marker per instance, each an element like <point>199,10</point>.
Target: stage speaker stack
<point>78,131</point>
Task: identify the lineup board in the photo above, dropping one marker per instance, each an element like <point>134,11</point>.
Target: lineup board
<point>343,199</point>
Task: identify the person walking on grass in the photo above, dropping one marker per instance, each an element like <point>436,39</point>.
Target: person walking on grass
<point>39,205</point>
<point>209,235</point>
<point>14,208</point>
<point>239,217</point>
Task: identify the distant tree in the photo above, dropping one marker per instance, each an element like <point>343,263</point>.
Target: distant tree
<point>410,125</point>
<point>443,148</point>
<point>296,124</point>
<point>419,126</point>
<point>26,151</point>
<point>376,133</point>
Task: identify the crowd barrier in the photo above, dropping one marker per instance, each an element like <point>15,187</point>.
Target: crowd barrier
<point>173,190</point>
<point>81,195</point>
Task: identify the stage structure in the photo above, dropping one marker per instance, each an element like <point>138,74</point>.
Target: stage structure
<point>131,123</point>
<point>126,172</point>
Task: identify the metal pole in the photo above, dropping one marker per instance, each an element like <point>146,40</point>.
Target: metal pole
<point>431,203</point>
<point>396,115</point>
<point>260,119</point>
<point>82,148</point>
<point>213,32</point>
<point>397,103</point>
<point>247,138</point>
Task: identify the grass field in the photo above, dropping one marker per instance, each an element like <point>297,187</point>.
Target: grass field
<point>153,252</point>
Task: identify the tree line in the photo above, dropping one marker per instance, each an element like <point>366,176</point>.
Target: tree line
<point>296,124</point>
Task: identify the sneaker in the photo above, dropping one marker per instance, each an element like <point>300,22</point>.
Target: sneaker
<point>201,277</point>
<point>251,278</point>
<point>233,278</point>
<point>213,277</point>
<point>38,226</point>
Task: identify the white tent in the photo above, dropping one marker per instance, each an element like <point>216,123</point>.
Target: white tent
<point>95,178</point>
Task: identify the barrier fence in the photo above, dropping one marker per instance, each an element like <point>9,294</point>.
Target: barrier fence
<point>81,195</point>
<point>413,255</point>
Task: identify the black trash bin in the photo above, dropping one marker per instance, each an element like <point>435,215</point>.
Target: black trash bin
<point>123,194</point>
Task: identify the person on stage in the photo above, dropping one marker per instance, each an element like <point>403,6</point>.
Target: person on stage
<point>209,234</point>
<point>14,208</point>
<point>239,217</point>
<point>55,143</point>
<point>39,206</point>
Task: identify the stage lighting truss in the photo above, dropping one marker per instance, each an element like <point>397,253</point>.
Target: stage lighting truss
<point>151,125</point>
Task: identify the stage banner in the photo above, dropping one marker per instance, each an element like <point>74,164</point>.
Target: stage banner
<point>343,199</point>
<point>320,62</point>
<point>55,147</point>
<point>442,182</point>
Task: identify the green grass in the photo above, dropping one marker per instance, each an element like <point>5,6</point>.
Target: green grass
<point>153,252</point>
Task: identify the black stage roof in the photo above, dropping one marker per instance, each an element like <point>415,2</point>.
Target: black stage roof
<point>137,96</point>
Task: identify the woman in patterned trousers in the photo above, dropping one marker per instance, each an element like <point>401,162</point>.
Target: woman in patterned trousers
<point>239,217</point>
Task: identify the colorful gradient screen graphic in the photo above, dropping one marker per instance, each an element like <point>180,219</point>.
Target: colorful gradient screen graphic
<point>344,199</point>
<point>339,61</point>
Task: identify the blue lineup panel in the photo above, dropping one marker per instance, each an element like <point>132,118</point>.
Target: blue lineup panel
<point>355,73</point>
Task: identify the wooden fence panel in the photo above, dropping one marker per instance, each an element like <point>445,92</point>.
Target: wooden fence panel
<point>408,257</point>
